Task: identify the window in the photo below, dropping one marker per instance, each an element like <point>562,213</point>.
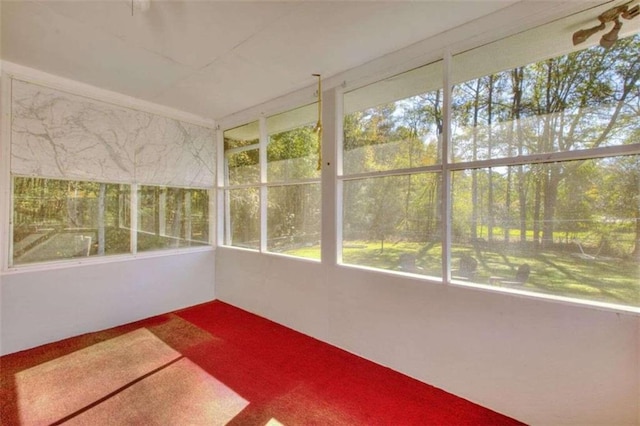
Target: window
<point>293,194</point>
<point>58,219</point>
<point>242,182</point>
<point>536,187</point>
<point>243,217</point>
<point>78,166</point>
<point>392,173</point>
<point>568,220</point>
<point>543,170</point>
<point>172,217</point>
<point>280,192</point>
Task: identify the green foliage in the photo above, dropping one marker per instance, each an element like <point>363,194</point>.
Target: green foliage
<point>541,213</point>
<point>293,155</point>
<point>557,272</point>
<point>586,99</point>
<point>58,219</point>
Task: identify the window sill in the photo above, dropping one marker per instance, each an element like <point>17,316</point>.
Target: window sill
<point>72,263</point>
<point>564,300</point>
<point>270,253</point>
<point>508,292</point>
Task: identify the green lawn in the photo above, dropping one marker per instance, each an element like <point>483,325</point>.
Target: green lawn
<point>560,273</point>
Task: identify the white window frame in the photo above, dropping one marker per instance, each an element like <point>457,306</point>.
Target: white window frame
<point>28,75</point>
<point>224,187</point>
<point>133,232</point>
<point>333,178</point>
<point>447,168</point>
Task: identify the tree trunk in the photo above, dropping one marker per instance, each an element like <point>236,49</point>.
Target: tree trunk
<point>156,211</point>
<point>636,249</point>
<point>507,208</point>
<point>536,213</point>
<point>72,206</point>
<point>490,212</point>
<point>550,199</point>
<point>161,218</point>
<point>187,215</point>
<point>102,195</point>
<point>176,225</point>
<point>522,201</point>
<point>474,172</point>
<point>517,77</point>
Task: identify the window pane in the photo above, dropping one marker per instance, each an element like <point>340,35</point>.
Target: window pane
<point>292,152</point>
<point>241,136</point>
<point>57,219</point>
<point>243,167</point>
<point>172,217</point>
<point>575,224</point>
<point>585,99</point>
<point>241,153</point>
<point>395,123</point>
<point>394,223</point>
<point>293,220</point>
<point>243,217</point>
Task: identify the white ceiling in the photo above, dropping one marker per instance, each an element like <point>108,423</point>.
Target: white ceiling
<point>214,58</point>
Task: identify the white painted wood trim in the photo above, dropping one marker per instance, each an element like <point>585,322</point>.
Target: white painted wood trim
<point>264,141</point>
<point>329,206</point>
<point>5,174</point>
<point>445,197</point>
<point>133,209</point>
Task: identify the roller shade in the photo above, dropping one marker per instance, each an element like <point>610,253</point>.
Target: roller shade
<point>546,41</point>
<point>174,153</point>
<point>59,135</point>
<point>540,43</point>
<point>288,120</point>
<point>414,82</point>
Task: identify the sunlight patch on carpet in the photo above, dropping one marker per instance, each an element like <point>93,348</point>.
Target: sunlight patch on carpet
<point>180,394</point>
<point>60,387</point>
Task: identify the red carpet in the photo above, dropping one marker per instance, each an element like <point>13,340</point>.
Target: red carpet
<point>216,364</point>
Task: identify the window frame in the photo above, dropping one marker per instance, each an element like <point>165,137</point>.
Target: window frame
<point>448,166</point>
<point>263,185</point>
<point>133,253</point>
<point>333,180</point>
<point>7,189</point>
<point>438,168</point>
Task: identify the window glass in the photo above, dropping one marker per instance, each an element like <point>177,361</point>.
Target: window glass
<point>60,219</point>
<point>394,223</point>
<point>573,227</point>
<point>172,217</point>
<point>293,220</point>
<point>243,167</point>
<point>566,221</point>
<point>581,100</point>
<point>293,210</point>
<point>241,153</point>
<point>293,155</point>
<point>243,217</point>
<point>395,123</point>
<point>242,205</point>
<point>292,152</point>
<point>241,136</point>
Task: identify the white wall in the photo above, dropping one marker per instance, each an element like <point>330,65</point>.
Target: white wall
<point>49,305</point>
<point>538,361</point>
<point>541,362</point>
<point>41,304</point>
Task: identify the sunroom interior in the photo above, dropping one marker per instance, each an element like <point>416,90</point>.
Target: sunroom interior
<point>448,189</point>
